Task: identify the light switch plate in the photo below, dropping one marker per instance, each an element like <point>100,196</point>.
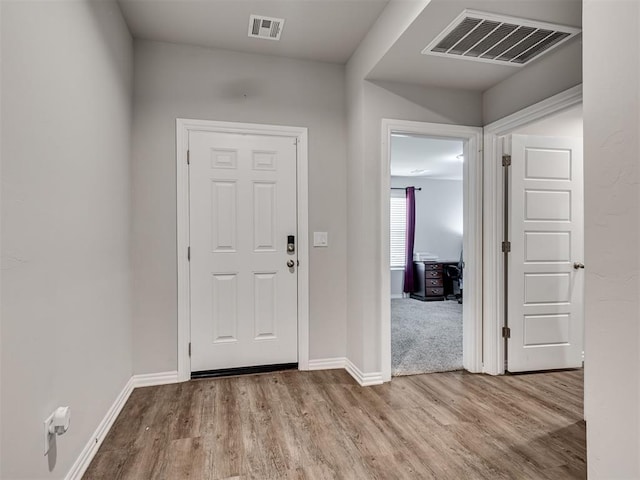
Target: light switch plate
<point>320,239</point>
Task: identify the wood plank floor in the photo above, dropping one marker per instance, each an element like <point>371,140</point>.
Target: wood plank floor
<point>322,425</point>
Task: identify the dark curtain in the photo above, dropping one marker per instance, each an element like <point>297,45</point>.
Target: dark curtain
<point>411,231</point>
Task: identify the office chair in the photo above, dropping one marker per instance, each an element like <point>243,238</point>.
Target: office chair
<point>454,272</point>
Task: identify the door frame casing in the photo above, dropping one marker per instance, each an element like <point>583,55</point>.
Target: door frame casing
<point>493,296</point>
<point>183,127</point>
<point>472,237</point>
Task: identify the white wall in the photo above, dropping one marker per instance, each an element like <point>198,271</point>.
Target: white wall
<point>369,103</point>
<point>397,283</point>
<point>556,72</point>
<point>363,270</point>
<point>438,215</point>
<point>190,82</point>
<point>1,396</point>
<point>450,107</point>
<point>439,220</point>
<point>612,239</point>
<point>66,312</point>
<point>568,123</point>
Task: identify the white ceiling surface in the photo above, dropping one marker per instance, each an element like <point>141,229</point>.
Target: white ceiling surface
<point>405,63</point>
<point>438,157</point>
<point>320,30</point>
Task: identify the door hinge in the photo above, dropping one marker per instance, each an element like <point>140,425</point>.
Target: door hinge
<point>506,160</point>
<point>188,254</point>
<point>188,157</point>
<point>189,348</point>
<point>506,332</point>
<point>506,247</point>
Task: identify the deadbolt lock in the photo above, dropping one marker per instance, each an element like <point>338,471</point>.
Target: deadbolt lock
<point>290,263</point>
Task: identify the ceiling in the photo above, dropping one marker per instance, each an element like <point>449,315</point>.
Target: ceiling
<point>418,156</point>
<point>320,30</point>
<point>405,63</point>
<point>331,30</point>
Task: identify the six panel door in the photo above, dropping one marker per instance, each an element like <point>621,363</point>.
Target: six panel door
<point>242,209</point>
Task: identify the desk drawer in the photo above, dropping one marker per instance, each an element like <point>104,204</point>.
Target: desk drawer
<point>434,292</point>
<point>428,274</point>
<point>433,266</point>
<point>434,282</point>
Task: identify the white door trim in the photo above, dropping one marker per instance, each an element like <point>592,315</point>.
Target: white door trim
<point>183,127</point>
<point>472,240</point>
<point>494,301</point>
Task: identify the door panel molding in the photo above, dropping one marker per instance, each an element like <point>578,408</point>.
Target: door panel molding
<point>183,127</point>
<point>493,221</point>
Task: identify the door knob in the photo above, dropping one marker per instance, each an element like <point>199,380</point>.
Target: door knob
<point>577,265</point>
<point>290,263</point>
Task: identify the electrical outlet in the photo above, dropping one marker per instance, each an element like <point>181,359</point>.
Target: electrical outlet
<point>48,436</point>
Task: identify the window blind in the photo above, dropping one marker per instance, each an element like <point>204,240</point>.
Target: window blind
<point>398,230</point>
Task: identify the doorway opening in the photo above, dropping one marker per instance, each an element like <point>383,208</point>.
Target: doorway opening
<point>426,267</point>
<point>450,266</point>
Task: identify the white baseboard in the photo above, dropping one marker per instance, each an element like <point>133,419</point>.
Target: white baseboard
<point>88,452</point>
<point>364,379</point>
<point>91,448</point>
<point>327,363</point>
<point>151,379</point>
<point>397,295</point>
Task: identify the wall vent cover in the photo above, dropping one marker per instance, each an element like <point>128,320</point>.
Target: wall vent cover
<point>268,28</point>
<point>487,37</point>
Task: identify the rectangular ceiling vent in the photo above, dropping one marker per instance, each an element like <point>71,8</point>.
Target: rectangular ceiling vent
<point>265,27</point>
<point>487,37</point>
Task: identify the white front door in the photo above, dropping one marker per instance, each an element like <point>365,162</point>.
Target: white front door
<point>545,287</point>
<point>243,279</point>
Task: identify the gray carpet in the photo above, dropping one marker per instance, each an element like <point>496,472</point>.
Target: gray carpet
<point>425,336</point>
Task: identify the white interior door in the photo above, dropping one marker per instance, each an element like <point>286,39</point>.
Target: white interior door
<point>242,194</point>
<point>545,292</point>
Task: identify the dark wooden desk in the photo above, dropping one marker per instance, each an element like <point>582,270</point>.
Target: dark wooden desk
<point>431,282</point>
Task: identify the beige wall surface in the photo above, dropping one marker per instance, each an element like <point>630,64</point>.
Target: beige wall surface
<point>612,235</point>
<point>66,311</point>
<point>174,81</point>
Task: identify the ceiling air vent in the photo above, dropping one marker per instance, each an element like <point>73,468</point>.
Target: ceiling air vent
<point>486,37</point>
<point>265,27</point>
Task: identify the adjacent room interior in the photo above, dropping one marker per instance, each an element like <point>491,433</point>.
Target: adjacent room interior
<point>426,233</point>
